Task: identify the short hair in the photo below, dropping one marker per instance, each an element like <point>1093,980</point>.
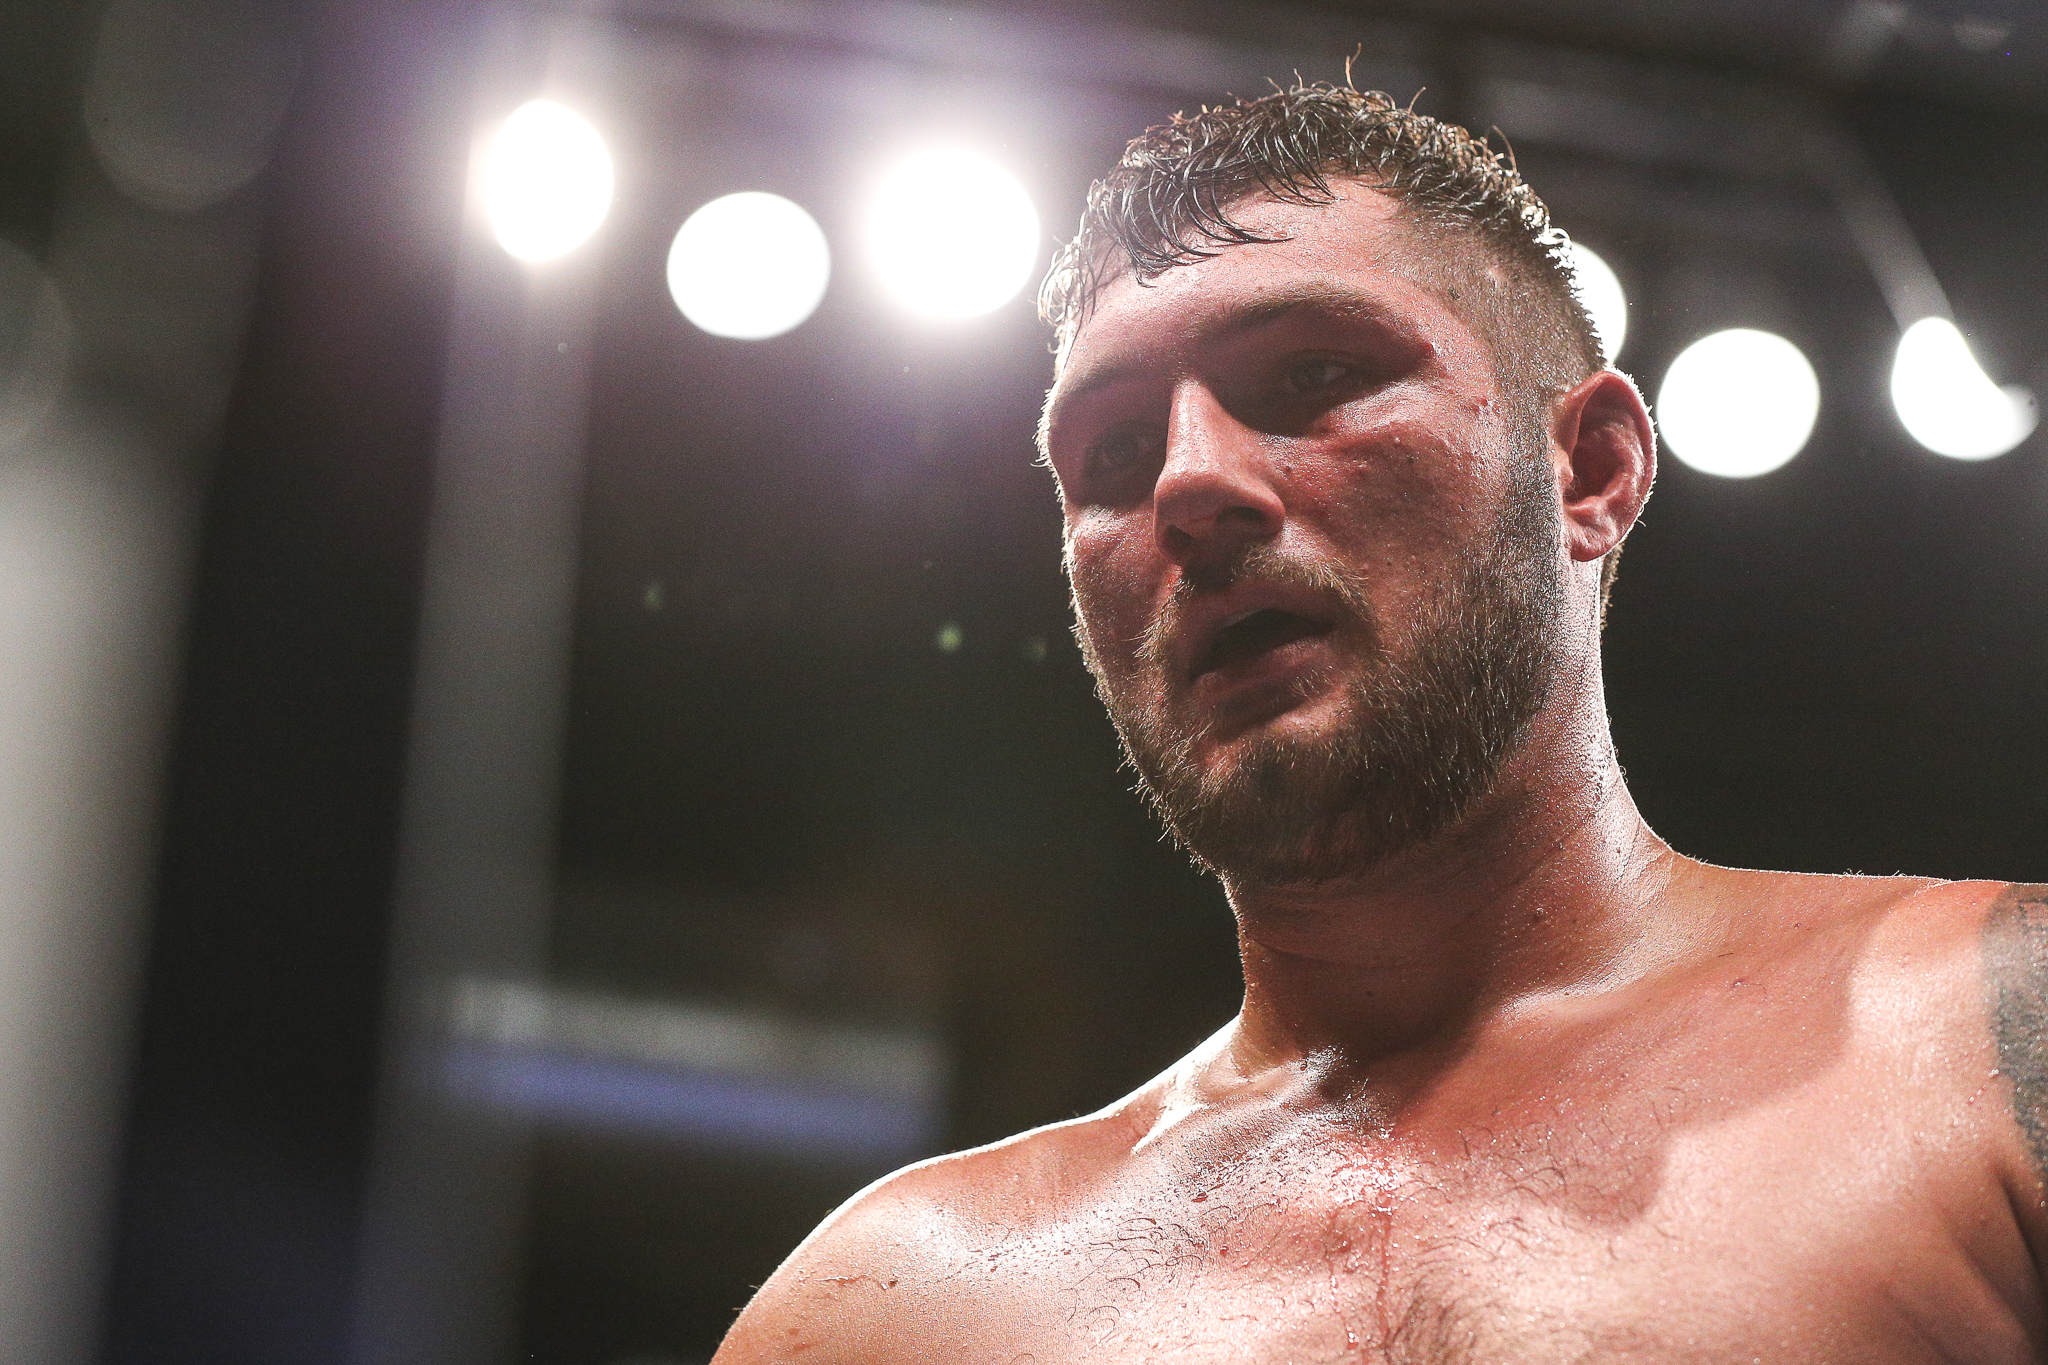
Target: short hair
<point>1168,201</point>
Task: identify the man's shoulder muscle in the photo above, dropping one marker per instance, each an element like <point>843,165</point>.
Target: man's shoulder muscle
<point>1942,986</point>
<point>1976,953</point>
<point>887,1276</point>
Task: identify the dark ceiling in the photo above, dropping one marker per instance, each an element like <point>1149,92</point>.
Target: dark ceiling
<point>1986,51</point>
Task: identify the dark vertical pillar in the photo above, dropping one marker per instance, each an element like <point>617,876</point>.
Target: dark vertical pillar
<point>250,1104</point>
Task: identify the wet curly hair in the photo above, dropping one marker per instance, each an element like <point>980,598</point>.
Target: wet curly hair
<point>1491,248</point>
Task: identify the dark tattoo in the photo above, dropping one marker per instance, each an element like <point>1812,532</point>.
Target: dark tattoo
<point>2016,992</point>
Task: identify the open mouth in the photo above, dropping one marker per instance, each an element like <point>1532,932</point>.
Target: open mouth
<point>1250,635</point>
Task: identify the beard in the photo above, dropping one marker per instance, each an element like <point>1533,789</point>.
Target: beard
<point>1420,739</point>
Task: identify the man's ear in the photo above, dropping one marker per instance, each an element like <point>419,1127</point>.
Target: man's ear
<point>1606,455</point>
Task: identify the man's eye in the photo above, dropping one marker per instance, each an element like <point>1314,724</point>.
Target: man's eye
<point>1314,376</point>
<point>1120,465</point>
<point>1117,453</point>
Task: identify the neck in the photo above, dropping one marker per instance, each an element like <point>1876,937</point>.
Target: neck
<point>1551,884</point>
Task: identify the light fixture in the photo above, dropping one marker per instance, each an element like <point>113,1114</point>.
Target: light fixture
<point>748,265</point>
<point>1948,403</point>
<point>1738,403</point>
<point>951,234</point>
<point>546,182</point>
<point>1600,291</point>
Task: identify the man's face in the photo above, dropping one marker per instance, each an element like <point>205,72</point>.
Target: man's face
<point>1314,550</point>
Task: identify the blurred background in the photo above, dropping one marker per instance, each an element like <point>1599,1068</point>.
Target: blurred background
<point>540,746</point>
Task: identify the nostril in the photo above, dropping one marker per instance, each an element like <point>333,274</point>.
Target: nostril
<point>1199,533</point>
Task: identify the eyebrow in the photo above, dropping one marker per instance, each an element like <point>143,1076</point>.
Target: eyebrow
<point>1314,295</point>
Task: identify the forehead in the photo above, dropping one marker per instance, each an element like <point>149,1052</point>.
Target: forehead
<point>1357,253</point>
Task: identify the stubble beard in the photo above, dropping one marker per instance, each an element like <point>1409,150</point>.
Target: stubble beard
<point>1420,738</point>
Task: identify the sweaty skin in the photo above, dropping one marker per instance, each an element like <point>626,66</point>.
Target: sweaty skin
<point>1540,1089</point>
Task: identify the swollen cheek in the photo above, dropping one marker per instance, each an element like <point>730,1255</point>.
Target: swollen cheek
<point>1106,550</point>
<point>1101,602</point>
<point>1110,599</point>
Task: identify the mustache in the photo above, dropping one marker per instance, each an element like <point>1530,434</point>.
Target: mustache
<point>1257,562</point>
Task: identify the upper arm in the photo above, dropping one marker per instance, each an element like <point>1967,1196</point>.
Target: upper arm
<point>2014,950</point>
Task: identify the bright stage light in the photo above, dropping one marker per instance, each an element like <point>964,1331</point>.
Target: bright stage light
<point>1948,403</point>
<point>1738,403</point>
<point>951,234</point>
<point>547,181</point>
<point>748,265</point>
<point>1600,291</point>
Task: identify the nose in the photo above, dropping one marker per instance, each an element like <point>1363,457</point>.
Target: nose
<point>1216,492</point>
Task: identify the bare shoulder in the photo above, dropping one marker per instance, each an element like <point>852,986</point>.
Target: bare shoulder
<point>1953,977</point>
<point>1966,943</point>
<point>1899,963</point>
<point>895,1273</point>
<point>1913,947</point>
<point>2002,930</point>
<point>1883,925</point>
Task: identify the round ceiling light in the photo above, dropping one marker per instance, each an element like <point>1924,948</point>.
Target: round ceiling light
<point>951,234</point>
<point>1599,289</point>
<point>1947,402</point>
<point>546,182</point>
<point>749,265</point>
<point>1738,403</point>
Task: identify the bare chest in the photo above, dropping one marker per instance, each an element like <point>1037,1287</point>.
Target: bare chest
<point>1536,1245</point>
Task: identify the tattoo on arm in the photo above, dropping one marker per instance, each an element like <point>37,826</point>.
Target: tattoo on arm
<point>2015,949</point>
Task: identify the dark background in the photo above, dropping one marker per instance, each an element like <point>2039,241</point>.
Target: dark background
<point>777,791</point>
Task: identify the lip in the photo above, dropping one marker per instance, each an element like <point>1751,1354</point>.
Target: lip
<point>1195,654</point>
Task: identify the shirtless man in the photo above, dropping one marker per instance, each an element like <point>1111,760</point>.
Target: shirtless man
<point>1513,1080</point>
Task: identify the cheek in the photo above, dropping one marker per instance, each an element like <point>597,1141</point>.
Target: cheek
<point>1403,507</point>
<point>1386,502</point>
<point>1113,590</point>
